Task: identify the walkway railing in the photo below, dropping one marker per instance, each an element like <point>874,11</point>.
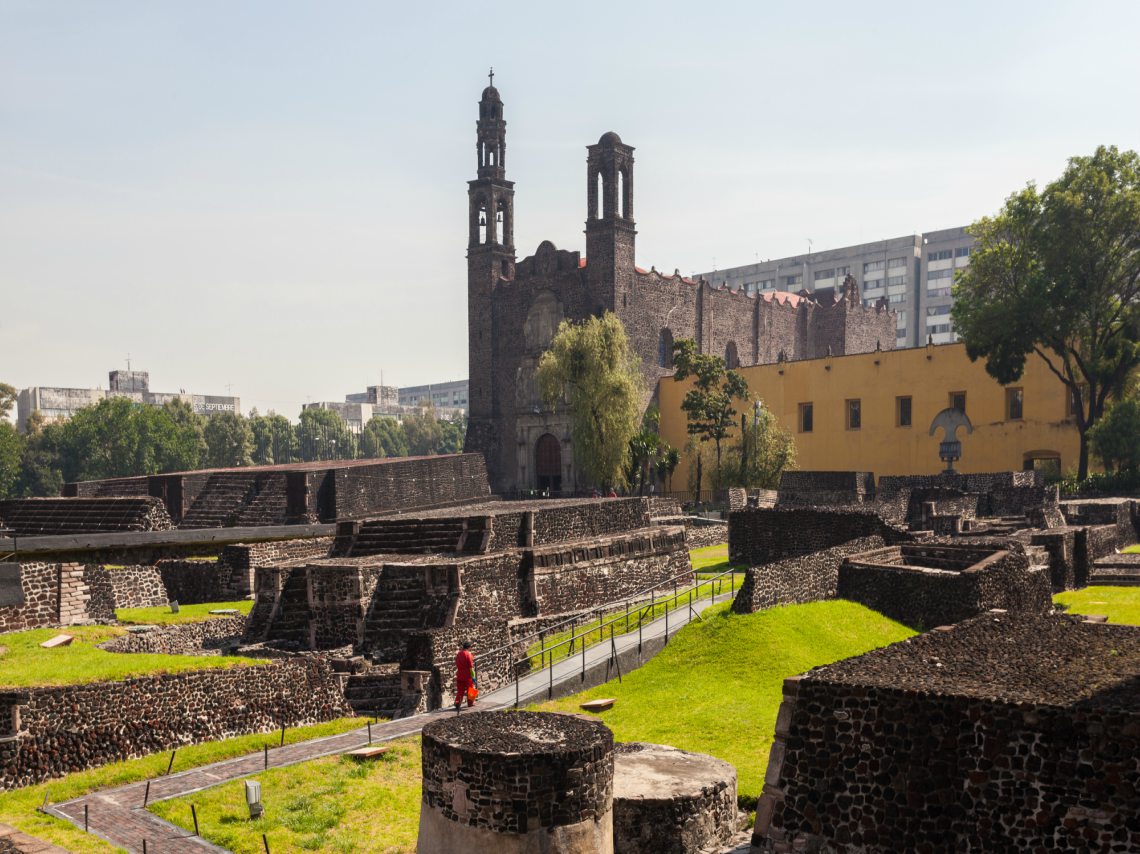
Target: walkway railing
<point>590,628</point>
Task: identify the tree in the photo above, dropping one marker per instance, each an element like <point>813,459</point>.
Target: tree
<point>591,367</point>
<point>274,440</point>
<point>383,437</point>
<point>709,404</point>
<point>11,457</point>
<point>649,454</point>
<point>323,435</point>
<point>191,428</point>
<point>40,475</point>
<point>423,430</point>
<point>764,452</point>
<point>1116,437</point>
<point>229,441</point>
<point>454,430</point>
<point>7,399</point>
<point>1057,274</point>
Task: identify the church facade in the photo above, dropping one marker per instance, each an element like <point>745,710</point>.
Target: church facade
<point>514,308</point>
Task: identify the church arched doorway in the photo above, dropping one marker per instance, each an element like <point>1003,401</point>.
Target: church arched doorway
<point>548,463</point>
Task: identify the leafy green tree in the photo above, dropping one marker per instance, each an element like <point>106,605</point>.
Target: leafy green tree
<point>1057,273</point>
<point>710,404</point>
<point>383,437</point>
<point>229,441</point>
<point>590,366</point>
<point>7,399</point>
<point>454,429</point>
<point>764,452</point>
<point>274,440</point>
<point>423,431</point>
<point>40,474</point>
<point>11,457</point>
<point>667,464</point>
<point>648,452</point>
<point>191,430</point>
<point>323,435</point>
<point>1116,437</point>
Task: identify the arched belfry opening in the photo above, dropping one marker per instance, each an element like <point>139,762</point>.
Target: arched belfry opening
<point>548,463</point>
<point>731,359</point>
<point>621,193</point>
<point>665,349</point>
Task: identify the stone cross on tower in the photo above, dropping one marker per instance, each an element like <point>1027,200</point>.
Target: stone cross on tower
<point>491,76</point>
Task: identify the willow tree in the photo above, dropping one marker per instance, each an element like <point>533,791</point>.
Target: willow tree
<point>591,370</point>
<point>1056,273</point>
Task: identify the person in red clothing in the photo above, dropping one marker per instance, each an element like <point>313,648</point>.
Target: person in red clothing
<point>464,675</point>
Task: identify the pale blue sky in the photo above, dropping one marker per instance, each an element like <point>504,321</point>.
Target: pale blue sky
<point>271,195</point>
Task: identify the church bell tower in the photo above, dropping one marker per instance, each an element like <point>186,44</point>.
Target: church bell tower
<point>490,261</point>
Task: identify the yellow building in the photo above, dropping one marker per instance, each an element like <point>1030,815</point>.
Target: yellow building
<point>872,412</point>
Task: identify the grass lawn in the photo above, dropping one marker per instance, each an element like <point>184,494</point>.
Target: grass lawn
<point>18,808</point>
<point>26,663</point>
<point>162,616</point>
<point>712,558</point>
<point>1119,604</point>
<point>717,686</point>
<point>1133,550</point>
<point>329,804</point>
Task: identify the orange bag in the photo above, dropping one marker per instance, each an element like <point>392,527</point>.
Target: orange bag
<point>472,693</point>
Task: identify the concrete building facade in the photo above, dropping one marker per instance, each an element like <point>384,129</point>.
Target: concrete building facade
<point>59,404</point>
<point>912,273</point>
<point>515,307</point>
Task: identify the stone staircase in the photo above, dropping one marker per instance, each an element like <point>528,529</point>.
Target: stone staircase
<point>268,506</point>
<point>999,526</point>
<point>291,620</point>
<point>1117,570</point>
<point>375,694</point>
<point>221,501</point>
<point>408,536</point>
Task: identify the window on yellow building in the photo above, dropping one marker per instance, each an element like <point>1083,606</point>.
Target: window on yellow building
<point>958,401</point>
<point>805,417</point>
<point>854,414</point>
<point>1014,404</point>
<point>902,411</point>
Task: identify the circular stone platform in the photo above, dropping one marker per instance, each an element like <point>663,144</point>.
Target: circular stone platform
<point>516,783</point>
<point>670,801</point>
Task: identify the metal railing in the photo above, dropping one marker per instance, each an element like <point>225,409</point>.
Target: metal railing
<point>644,606</point>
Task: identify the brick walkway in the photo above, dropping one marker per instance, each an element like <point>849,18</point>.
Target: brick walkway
<point>117,815</point>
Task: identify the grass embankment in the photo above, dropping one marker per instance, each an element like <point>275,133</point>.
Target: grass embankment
<point>162,615</point>
<point>1119,604</point>
<point>25,663</point>
<point>329,804</point>
<point>708,562</point>
<point>18,808</point>
<point>717,686</point>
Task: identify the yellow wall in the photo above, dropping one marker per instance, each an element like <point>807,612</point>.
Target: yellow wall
<point>927,375</point>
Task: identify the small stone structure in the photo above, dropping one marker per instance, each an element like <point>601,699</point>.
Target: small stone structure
<point>517,783</point>
<point>1005,732</point>
<point>826,488</point>
<point>935,584</point>
<point>760,535</point>
<point>34,595</point>
<point>670,801</point>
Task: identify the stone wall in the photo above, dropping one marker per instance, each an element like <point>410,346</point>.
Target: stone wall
<point>246,557</point>
<point>192,582</point>
<point>205,637</point>
<point>808,578</point>
<point>588,575</point>
<point>136,586</point>
<point>823,488</point>
<point>434,651</point>
<point>1013,493</point>
<point>70,728</point>
<point>406,483</point>
<point>53,594</point>
<point>914,592</point>
<point>979,738</point>
<point>761,535</point>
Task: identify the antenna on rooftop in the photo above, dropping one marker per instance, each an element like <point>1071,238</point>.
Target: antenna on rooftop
<point>128,361</point>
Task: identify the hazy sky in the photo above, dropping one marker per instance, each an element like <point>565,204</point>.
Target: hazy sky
<point>271,195</point>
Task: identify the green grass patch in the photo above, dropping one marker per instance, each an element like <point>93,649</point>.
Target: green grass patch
<point>329,804</point>
<point>18,808</point>
<point>1133,550</point>
<point>25,663</point>
<point>1119,604</point>
<point>162,616</point>
<point>717,686</point>
<point>709,556</point>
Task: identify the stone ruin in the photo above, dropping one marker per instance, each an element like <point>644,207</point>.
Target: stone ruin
<point>31,517</point>
<point>398,594</point>
<point>530,781</point>
<point>1004,732</point>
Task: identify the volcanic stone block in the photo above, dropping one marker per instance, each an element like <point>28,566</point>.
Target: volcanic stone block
<point>517,783</point>
<point>670,801</point>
